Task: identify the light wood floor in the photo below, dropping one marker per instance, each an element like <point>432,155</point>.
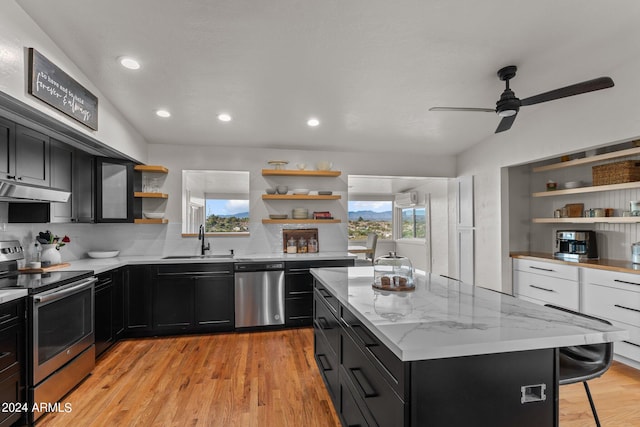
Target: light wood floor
<point>261,379</point>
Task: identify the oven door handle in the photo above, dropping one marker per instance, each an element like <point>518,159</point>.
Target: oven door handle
<point>56,295</point>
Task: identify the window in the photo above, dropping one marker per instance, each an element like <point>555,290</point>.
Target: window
<point>226,216</point>
<point>219,200</point>
<point>370,217</point>
<point>414,223</point>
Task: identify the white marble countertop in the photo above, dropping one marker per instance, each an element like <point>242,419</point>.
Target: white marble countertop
<point>100,265</point>
<point>7,295</point>
<point>445,318</point>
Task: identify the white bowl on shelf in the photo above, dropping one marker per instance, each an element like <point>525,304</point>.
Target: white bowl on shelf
<point>302,191</point>
<point>103,254</point>
<point>153,215</point>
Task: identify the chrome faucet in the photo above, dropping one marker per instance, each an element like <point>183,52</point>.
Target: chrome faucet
<point>201,237</point>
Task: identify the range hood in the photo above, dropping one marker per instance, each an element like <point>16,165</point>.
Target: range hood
<point>13,191</point>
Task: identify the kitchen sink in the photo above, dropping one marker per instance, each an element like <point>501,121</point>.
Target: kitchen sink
<point>211,256</point>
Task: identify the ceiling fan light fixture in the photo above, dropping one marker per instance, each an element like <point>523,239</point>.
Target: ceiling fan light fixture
<point>507,113</point>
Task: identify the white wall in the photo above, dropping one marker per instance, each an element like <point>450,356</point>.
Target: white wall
<point>17,33</point>
<point>544,131</point>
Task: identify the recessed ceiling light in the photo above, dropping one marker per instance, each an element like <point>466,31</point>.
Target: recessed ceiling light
<point>224,117</point>
<point>129,63</point>
<point>313,122</point>
<point>163,113</point>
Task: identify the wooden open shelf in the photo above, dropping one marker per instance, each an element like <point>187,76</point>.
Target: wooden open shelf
<point>588,160</point>
<point>300,221</point>
<point>151,168</point>
<point>151,195</point>
<point>293,172</point>
<point>594,189</point>
<point>298,197</point>
<point>589,220</point>
<point>150,221</point>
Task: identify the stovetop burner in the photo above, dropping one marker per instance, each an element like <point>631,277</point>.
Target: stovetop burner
<point>11,278</point>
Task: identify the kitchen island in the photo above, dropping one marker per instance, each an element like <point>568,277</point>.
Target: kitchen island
<point>446,354</point>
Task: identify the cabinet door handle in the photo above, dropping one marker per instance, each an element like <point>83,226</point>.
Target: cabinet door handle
<point>626,308</point>
<point>542,269</point>
<point>4,354</point>
<point>324,362</point>
<point>541,288</point>
<point>11,177</point>
<point>632,343</point>
<point>363,383</point>
<point>363,336</point>
<point>5,317</point>
<point>298,270</point>
<point>624,281</point>
<point>325,293</point>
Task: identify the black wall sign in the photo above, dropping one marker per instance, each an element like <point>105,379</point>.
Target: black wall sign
<point>55,87</point>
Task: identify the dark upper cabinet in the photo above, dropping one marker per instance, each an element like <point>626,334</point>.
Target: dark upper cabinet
<point>114,190</point>
<point>62,179</point>
<point>31,157</point>
<point>7,148</point>
<point>84,170</point>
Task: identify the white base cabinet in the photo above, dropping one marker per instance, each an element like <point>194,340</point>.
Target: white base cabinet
<point>546,283</point>
<point>616,297</point>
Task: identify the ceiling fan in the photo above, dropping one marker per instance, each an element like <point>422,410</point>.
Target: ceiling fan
<point>508,105</point>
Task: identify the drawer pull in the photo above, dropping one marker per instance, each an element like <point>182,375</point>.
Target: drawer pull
<point>363,336</point>
<point>632,343</point>
<point>324,362</point>
<point>298,270</point>
<point>542,269</point>
<point>325,293</point>
<point>541,288</point>
<point>5,317</point>
<point>624,281</point>
<point>626,308</point>
<point>324,324</point>
<point>4,354</point>
<point>363,384</point>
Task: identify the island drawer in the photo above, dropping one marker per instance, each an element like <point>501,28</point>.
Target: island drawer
<point>353,410</point>
<point>328,364</point>
<point>551,269</point>
<point>327,296</point>
<point>564,293</point>
<point>325,321</point>
<point>629,348</point>
<point>611,303</point>
<point>388,365</point>
<point>373,389</point>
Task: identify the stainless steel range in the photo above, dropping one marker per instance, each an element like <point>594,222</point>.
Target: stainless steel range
<point>60,329</point>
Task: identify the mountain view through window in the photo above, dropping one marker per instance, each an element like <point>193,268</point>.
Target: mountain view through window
<point>370,217</point>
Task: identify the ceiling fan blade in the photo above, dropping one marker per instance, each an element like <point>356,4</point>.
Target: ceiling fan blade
<point>505,123</point>
<point>576,89</point>
<point>484,110</point>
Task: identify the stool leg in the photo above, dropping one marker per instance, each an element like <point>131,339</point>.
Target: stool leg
<point>593,407</point>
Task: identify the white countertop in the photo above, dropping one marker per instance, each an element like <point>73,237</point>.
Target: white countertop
<point>101,265</point>
<point>445,318</point>
<point>7,295</point>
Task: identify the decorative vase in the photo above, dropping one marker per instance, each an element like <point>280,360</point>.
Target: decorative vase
<point>50,255</point>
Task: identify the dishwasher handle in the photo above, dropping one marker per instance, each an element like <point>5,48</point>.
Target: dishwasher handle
<point>258,266</point>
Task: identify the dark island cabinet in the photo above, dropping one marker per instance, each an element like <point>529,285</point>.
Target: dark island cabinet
<point>12,362</point>
<point>193,298</point>
<point>137,296</point>
<point>298,285</point>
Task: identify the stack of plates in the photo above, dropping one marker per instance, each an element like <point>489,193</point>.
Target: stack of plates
<point>300,213</point>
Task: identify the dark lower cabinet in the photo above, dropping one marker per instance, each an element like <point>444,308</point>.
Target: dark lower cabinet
<point>137,296</point>
<point>118,277</point>
<point>193,298</point>
<point>298,285</point>
<point>103,310</point>
<point>12,361</point>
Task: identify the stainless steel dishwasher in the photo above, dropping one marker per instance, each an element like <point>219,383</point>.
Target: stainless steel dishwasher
<point>259,294</point>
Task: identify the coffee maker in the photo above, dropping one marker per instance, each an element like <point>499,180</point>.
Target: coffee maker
<point>576,245</point>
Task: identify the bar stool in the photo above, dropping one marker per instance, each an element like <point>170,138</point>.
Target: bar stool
<point>581,363</point>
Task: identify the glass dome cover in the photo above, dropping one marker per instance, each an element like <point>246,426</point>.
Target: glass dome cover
<point>393,272</point>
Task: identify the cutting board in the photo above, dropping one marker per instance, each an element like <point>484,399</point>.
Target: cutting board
<point>44,269</point>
